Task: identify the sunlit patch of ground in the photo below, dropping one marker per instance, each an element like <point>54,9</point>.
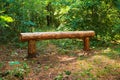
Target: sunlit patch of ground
<point>96,64</point>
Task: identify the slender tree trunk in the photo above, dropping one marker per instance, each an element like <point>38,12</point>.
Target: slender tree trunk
<point>49,17</point>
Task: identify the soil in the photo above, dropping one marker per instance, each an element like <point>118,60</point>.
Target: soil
<point>48,64</point>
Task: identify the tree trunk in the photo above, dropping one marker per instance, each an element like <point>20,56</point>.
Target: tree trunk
<point>55,35</point>
<point>50,16</point>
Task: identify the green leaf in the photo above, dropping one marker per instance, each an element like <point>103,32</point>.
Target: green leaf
<point>6,18</point>
<point>29,23</point>
<point>10,1</point>
<point>2,11</point>
<point>67,72</point>
<point>13,63</point>
<point>117,3</point>
<point>1,78</point>
<point>59,77</point>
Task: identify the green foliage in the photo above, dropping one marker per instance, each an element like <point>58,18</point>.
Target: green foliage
<point>59,77</point>
<point>16,70</point>
<point>4,20</point>
<point>112,53</point>
<point>97,15</point>
<point>86,74</point>
<point>20,71</point>
<point>93,15</point>
<point>108,69</point>
<point>1,64</point>
<point>117,3</point>
<point>67,72</point>
<point>102,16</point>
<point>1,78</point>
<point>47,67</point>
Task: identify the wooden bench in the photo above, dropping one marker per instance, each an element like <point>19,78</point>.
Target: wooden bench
<point>33,37</point>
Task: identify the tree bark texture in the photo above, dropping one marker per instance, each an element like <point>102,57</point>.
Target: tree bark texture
<point>31,48</point>
<point>50,16</point>
<point>55,35</point>
<point>86,43</point>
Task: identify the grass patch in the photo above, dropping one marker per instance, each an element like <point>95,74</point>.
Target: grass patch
<point>112,52</point>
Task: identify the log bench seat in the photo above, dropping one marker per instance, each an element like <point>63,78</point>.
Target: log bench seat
<point>33,37</point>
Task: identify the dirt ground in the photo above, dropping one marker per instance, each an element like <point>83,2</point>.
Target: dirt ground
<point>49,64</point>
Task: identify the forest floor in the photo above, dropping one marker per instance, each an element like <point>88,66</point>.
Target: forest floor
<point>101,63</point>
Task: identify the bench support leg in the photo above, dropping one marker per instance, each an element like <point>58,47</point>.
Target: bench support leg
<point>31,48</point>
<point>86,43</point>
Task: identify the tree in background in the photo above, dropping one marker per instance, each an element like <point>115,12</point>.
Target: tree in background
<point>103,16</point>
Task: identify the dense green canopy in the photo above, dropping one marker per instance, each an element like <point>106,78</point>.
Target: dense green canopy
<point>103,16</point>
